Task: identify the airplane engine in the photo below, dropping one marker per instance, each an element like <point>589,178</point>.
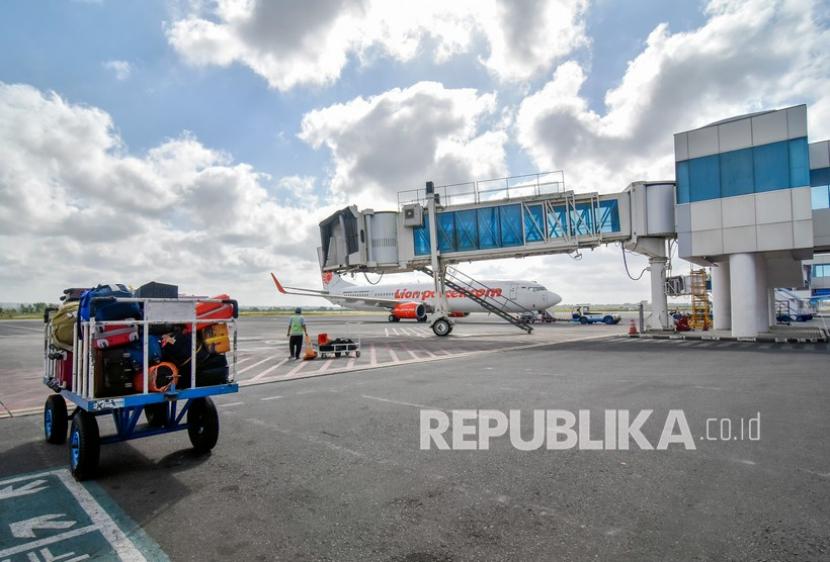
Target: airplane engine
<point>413,310</point>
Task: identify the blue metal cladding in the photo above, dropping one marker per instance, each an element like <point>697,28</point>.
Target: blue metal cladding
<point>488,227</point>
<point>683,183</point>
<point>820,176</point>
<point>446,232</point>
<point>704,174</point>
<point>771,165</point>
<point>510,219</point>
<point>736,173</point>
<point>420,236</point>
<point>778,165</point>
<point>466,230</point>
<point>558,222</point>
<point>534,223</point>
<point>799,162</point>
<point>608,216</point>
<point>582,219</point>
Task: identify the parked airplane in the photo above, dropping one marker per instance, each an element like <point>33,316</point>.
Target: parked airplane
<point>415,300</point>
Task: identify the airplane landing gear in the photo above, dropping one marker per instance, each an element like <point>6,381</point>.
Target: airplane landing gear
<point>442,327</point>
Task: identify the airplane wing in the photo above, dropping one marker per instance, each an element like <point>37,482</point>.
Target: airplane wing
<point>368,301</point>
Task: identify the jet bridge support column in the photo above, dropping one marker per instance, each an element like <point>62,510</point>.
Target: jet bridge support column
<point>441,323</point>
<point>659,302</point>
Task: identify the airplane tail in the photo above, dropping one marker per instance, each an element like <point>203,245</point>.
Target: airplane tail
<point>331,281</point>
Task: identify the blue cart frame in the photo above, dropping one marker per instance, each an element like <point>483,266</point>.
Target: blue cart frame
<point>163,410</point>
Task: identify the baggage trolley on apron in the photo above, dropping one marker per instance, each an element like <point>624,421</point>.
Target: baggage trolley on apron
<point>75,378</point>
<point>338,347</point>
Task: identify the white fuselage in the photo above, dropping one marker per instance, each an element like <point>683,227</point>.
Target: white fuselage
<point>522,295</point>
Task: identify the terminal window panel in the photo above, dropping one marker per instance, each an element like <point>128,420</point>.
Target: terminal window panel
<point>534,223</point>
<point>466,229</point>
<point>821,270</point>
<point>420,236</point>
<point>558,222</point>
<point>820,182</point>
<point>510,219</point>
<point>608,216</point>
<point>488,227</point>
<point>446,232</point>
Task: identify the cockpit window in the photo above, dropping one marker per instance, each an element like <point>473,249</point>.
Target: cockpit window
<point>538,288</point>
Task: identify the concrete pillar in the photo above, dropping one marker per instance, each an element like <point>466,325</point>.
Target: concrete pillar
<point>743,283</point>
<point>761,294</point>
<point>659,302</point>
<point>721,296</point>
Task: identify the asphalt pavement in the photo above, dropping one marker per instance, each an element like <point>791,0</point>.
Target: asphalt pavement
<point>331,467</point>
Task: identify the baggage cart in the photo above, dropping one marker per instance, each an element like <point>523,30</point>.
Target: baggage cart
<point>337,349</point>
<point>186,407</point>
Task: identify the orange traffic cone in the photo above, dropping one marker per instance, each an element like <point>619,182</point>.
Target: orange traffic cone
<point>632,328</point>
<point>309,350</point>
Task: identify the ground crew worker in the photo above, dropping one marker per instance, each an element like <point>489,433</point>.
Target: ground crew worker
<point>296,330</point>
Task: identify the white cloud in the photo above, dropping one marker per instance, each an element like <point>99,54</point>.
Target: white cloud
<point>309,43</point>
<point>77,208</point>
<point>120,68</point>
<point>749,55</point>
<point>401,138</point>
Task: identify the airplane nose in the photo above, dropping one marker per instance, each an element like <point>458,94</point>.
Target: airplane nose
<point>553,299</point>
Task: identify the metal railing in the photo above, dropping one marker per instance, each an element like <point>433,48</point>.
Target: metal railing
<point>497,189</point>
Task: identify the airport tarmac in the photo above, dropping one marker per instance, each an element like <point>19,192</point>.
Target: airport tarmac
<point>330,467</point>
<point>263,348</point>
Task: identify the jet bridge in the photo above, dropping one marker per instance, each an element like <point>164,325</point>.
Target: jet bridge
<point>439,226</point>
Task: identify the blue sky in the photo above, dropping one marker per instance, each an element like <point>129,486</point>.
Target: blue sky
<point>218,106</point>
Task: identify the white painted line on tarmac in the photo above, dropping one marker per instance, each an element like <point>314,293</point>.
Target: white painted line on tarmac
<point>244,359</point>
<point>398,402</point>
<point>231,404</point>
<point>387,331</point>
<point>268,370</point>
<point>393,355</point>
<point>411,353</point>
<point>324,366</point>
<point>258,363</point>
<point>271,397</point>
<point>350,363</point>
<point>373,357</point>
<point>53,539</point>
<point>296,369</point>
<point>122,545</point>
<point>395,331</point>
<point>428,352</point>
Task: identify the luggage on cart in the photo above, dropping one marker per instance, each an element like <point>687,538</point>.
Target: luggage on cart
<point>160,377</point>
<point>153,351</point>
<point>115,373</point>
<point>114,336</point>
<point>63,325</point>
<point>176,348</point>
<point>63,369</point>
<point>113,310</point>
<point>210,371</point>
<point>212,311</point>
<point>215,338</point>
<point>154,290</point>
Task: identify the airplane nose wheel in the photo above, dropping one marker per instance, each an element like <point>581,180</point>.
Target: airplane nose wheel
<point>442,327</point>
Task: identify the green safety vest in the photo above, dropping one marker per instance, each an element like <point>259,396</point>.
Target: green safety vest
<point>296,325</point>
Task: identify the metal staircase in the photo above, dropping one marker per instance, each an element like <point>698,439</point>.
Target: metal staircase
<point>485,296</point>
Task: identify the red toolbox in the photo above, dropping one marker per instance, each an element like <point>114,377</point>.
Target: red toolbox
<point>114,336</point>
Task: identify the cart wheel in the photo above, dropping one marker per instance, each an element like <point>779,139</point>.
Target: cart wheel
<point>337,354</point>
<point>202,424</point>
<point>84,445</point>
<point>156,414</point>
<point>357,354</point>
<point>55,419</point>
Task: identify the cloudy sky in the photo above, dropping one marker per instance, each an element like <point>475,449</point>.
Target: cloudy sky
<point>200,142</point>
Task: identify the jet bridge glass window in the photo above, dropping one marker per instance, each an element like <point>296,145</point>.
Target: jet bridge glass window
<point>488,227</point>
<point>820,182</point>
<point>582,223</point>
<point>608,216</point>
<point>558,222</point>
<point>466,228</point>
<point>420,235</point>
<point>534,223</point>
<point>510,217</point>
<point>446,232</point>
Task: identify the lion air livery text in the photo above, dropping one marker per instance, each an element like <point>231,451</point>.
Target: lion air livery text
<point>415,300</point>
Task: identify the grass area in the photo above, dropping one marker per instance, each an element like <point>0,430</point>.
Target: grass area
<point>22,316</point>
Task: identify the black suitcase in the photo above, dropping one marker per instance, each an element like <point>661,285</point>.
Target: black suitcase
<point>114,373</point>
